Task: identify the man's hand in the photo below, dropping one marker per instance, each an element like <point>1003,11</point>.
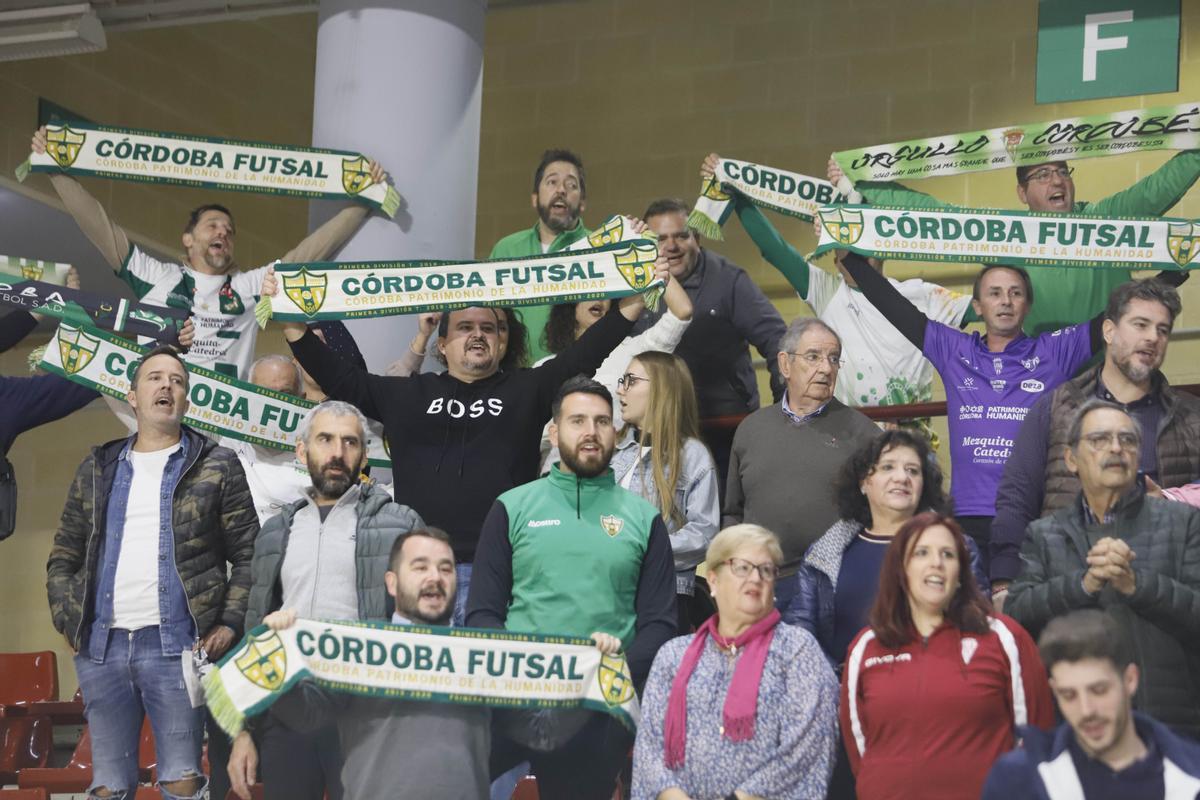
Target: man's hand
<point>292,331</point>
<point>1097,561</point>
<point>833,172</point>
<point>607,643</point>
<point>38,145</point>
<point>709,168</point>
<point>378,174</point>
<point>243,765</point>
<point>187,334</point>
<point>1120,569</point>
<point>218,640</point>
<point>280,620</point>
<point>427,323</point>
<point>999,595</point>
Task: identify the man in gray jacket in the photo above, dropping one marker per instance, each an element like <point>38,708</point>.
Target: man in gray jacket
<point>1133,556</point>
<point>403,748</point>
<point>323,557</point>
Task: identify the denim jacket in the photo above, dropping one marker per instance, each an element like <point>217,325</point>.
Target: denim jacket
<point>695,493</point>
<point>176,626</point>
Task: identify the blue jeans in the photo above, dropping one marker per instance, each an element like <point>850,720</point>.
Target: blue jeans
<point>463,573</point>
<point>136,680</point>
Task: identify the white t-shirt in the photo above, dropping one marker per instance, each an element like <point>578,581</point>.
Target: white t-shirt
<point>882,367</point>
<point>224,316</point>
<point>135,588</point>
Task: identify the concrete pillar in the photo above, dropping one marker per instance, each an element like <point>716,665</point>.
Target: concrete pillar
<point>401,81</point>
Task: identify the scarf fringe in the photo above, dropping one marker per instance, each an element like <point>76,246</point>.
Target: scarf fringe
<point>705,225</point>
<point>221,705</point>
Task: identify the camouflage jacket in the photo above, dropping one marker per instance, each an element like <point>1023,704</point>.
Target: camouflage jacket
<point>213,521</point>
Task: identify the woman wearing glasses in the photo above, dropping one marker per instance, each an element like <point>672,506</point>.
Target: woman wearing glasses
<point>934,690</point>
<point>659,456</point>
<point>745,706</point>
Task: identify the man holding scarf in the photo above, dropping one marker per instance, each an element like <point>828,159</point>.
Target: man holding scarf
<point>1067,296</point>
<point>209,283</point>
<point>575,554</point>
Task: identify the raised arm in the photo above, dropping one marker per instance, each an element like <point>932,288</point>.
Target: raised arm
<point>903,315</point>
<point>108,237</point>
<point>321,244</point>
<point>1155,194</point>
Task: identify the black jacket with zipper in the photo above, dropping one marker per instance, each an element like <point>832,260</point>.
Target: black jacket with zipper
<point>458,446</point>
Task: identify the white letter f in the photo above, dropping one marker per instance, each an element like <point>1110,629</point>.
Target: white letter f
<point>1093,44</point>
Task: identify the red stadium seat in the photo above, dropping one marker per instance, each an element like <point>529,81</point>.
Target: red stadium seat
<point>527,789</point>
<point>24,794</point>
<point>256,793</point>
<point>24,742</point>
<point>61,712</point>
<point>74,777</point>
<point>27,678</point>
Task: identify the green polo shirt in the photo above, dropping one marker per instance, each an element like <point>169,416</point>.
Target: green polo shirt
<point>528,243</point>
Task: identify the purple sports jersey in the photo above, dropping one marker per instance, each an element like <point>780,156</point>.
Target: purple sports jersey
<point>988,395</point>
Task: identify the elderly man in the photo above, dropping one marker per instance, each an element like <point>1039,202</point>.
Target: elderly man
<point>1105,748</point>
<point>1137,328</point>
<point>323,557</point>
<point>575,554</point>
<point>1067,295</point>
<point>138,575</point>
<point>786,456</point>
<point>1114,548</point>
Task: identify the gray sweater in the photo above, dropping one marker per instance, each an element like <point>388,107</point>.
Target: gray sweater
<point>781,474</point>
<point>398,749</point>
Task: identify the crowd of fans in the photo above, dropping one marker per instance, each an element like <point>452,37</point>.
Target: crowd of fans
<point>742,577</point>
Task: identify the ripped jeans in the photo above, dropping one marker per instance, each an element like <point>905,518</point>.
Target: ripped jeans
<point>135,680</point>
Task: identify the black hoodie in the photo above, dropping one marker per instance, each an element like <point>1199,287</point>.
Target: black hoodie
<point>458,446</point>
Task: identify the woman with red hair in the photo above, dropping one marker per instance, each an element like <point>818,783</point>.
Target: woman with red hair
<point>934,689</point>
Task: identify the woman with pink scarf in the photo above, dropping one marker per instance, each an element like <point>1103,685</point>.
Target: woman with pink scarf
<point>746,707</point>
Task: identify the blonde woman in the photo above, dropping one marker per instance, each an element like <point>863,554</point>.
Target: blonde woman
<point>659,456</point>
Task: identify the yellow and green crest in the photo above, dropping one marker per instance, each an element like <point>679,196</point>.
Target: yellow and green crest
<point>76,348</point>
<point>306,290</point>
<point>846,227</point>
<point>611,525</point>
<point>64,144</point>
<point>356,175</point>
<point>1182,244</point>
<point>637,265</point>
<point>712,190</point>
<point>32,270</point>
<point>609,232</point>
<point>265,662</point>
<point>616,684</point>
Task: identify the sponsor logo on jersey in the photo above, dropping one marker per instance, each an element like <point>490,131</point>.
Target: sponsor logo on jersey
<point>1032,385</point>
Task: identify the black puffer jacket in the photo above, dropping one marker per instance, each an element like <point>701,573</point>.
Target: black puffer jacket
<point>1161,617</point>
<point>213,520</point>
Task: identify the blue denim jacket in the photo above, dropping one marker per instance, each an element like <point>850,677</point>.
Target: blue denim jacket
<point>177,628</point>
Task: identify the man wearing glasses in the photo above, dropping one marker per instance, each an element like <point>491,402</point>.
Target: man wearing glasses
<point>1037,481</point>
<point>1068,295</point>
<point>1136,557</point>
<point>785,456</point>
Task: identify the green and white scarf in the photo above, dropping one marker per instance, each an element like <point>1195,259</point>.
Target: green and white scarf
<point>30,269</point>
<point>84,308</point>
<point>227,164</point>
<point>219,404</point>
<point>1161,128</point>
<point>1018,238</point>
<point>767,187</point>
<point>612,262</point>
<point>403,662</point>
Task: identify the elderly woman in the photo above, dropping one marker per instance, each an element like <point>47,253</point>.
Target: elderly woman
<point>744,707</point>
<point>934,690</point>
<point>882,486</point>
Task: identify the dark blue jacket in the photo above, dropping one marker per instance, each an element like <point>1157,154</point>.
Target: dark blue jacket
<point>812,606</point>
<point>1042,768</point>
